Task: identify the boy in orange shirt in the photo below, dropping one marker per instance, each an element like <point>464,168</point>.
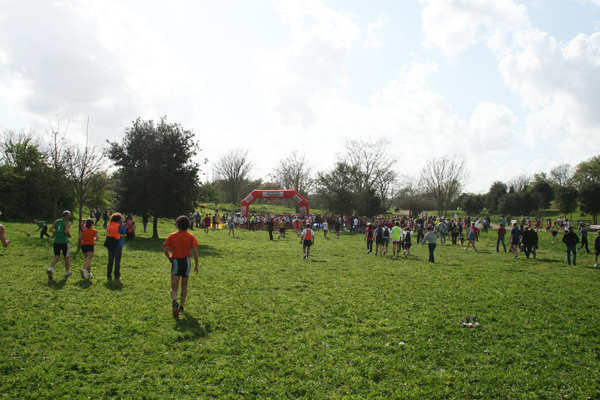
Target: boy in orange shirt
<point>87,237</point>
<point>177,249</point>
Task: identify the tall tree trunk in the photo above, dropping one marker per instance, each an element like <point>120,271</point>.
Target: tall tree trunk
<point>155,228</point>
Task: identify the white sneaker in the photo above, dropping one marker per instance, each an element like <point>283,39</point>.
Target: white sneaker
<point>595,265</point>
<point>68,273</point>
<point>83,274</point>
<point>91,276</point>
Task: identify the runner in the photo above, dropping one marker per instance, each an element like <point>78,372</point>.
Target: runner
<point>60,227</point>
<point>325,227</point>
<point>177,249</point>
<point>307,240</point>
<point>87,237</point>
<point>337,226</point>
<point>396,239</point>
<point>407,241</point>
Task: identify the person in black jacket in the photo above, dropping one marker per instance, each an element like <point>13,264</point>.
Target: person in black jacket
<point>270,225</point>
<point>597,248</point>
<point>571,239</point>
<point>530,241</point>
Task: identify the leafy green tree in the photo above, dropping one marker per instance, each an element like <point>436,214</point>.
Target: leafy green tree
<point>566,199</point>
<point>335,189</point>
<point>546,193</point>
<point>518,203</point>
<point>589,199</point>
<point>207,193</point>
<point>25,178</point>
<point>473,203</point>
<point>497,190</point>
<point>587,171</point>
<point>156,174</point>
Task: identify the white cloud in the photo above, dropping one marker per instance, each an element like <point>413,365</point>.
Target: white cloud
<point>374,37</point>
<point>311,66</point>
<point>559,83</point>
<point>84,58</point>
<point>453,25</point>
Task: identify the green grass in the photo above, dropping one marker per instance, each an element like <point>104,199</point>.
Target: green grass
<point>262,322</point>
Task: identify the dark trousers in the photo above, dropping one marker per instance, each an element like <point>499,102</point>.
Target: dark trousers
<point>431,250</point>
<point>530,249</point>
<point>370,245</point>
<point>571,249</point>
<point>271,234</point>
<point>500,240</point>
<point>584,242</point>
<point>114,256</point>
<point>45,232</point>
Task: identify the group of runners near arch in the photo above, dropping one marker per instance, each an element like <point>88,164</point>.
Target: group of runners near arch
<point>181,246</point>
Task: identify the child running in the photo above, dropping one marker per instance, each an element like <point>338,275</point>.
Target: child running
<point>87,237</point>
<point>177,249</point>
<point>307,240</point>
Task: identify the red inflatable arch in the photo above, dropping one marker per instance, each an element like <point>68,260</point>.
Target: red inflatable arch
<point>275,194</point>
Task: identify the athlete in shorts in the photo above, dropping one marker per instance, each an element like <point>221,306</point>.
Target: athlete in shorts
<point>87,237</point>
<point>407,241</point>
<point>61,227</point>
<point>396,239</point>
<point>325,227</point>
<point>307,240</point>
<point>177,249</point>
<point>337,226</point>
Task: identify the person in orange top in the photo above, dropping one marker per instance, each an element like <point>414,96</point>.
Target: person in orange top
<point>177,249</point>
<point>307,240</point>
<point>87,237</point>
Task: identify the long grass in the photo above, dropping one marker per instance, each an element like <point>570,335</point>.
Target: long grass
<point>261,322</point>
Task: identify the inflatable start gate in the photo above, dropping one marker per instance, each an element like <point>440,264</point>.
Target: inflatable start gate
<point>275,194</point>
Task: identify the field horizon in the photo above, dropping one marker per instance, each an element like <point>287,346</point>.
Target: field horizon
<point>261,322</point>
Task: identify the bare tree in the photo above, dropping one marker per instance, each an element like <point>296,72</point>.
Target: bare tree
<point>87,174</point>
<point>231,172</point>
<point>520,183</point>
<point>562,174</point>
<point>445,179</point>
<point>293,173</point>
<point>373,171</point>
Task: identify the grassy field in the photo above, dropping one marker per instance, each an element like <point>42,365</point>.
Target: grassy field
<point>262,322</point>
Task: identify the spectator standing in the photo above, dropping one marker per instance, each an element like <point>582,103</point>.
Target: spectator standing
<point>571,239</point>
<point>431,239</point>
<point>501,234</point>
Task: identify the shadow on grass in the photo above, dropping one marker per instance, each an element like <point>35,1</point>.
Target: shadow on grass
<point>190,328</point>
<point>57,284</point>
<point>84,283</point>
<point>116,285</point>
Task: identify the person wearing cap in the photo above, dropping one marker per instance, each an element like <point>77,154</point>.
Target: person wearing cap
<point>307,240</point>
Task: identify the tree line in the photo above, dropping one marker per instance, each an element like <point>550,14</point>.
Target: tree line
<point>155,174</point>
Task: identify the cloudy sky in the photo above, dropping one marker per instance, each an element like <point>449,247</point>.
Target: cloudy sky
<point>510,86</point>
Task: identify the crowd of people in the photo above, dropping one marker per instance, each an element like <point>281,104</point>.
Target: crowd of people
<point>378,232</point>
